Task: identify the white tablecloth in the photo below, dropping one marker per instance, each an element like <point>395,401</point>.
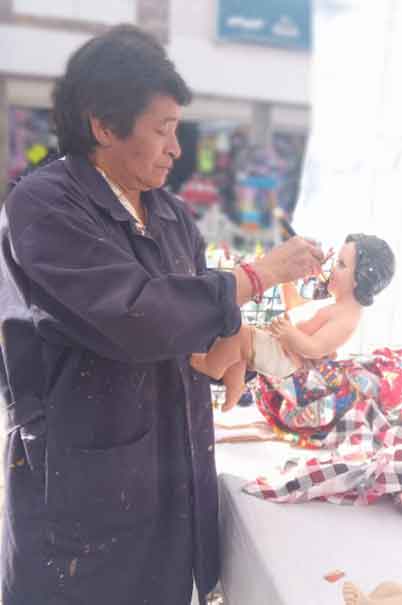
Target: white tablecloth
<point>277,554</point>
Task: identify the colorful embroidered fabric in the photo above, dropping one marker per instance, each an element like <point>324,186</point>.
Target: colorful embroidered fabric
<point>387,365</point>
<point>365,441</point>
<point>306,406</point>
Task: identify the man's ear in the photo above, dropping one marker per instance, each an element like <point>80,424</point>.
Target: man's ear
<point>102,133</point>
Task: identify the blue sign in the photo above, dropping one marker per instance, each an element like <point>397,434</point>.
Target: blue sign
<point>280,23</point>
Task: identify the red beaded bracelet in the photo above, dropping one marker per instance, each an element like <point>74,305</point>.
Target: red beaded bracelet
<point>256,283</point>
<point>249,271</point>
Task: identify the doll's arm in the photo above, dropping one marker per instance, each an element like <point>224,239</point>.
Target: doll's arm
<point>312,325</point>
<point>332,335</point>
<point>290,296</point>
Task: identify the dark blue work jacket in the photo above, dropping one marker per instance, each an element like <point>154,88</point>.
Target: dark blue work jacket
<point>111,492</point>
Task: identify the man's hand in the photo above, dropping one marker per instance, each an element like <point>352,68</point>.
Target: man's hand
<point>291,260</point>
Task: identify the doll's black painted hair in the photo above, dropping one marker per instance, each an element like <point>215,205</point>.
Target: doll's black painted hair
<point>375,266</point>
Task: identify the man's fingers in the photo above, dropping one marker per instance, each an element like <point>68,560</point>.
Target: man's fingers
<point>317,254</point>
<point>295,259</point>
<point>329,255</point>
<point>316,269</point>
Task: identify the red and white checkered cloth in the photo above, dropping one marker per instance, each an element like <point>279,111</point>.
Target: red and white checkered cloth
<point>365,464</point>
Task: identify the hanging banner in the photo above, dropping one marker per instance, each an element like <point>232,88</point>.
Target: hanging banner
<point>280,23</point>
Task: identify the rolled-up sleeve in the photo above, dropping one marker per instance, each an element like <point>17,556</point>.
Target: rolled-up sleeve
<point>98,294</point>
<point>231,316</point>
<point>231,311</point>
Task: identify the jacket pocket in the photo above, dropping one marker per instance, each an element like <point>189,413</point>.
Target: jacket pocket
<point>33,437</point>
<point>26,424</point>
<point>119,481</point>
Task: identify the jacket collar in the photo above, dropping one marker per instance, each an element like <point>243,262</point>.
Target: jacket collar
<point>81,169</point>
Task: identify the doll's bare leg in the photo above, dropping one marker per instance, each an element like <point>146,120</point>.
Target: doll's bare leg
<point>386,590</point>
<point>387,593</point>
<point>234,381</point>
<point>224,353</point>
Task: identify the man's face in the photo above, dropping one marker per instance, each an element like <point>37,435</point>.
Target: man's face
<point>143,160</point>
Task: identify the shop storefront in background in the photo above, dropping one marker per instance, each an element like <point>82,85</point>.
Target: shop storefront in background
<point>30,138</point>
<point>219,164</point>
<point>246,181</point>
<point>217,157</point>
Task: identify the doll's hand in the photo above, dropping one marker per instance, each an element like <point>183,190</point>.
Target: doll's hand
<point>280,326</point>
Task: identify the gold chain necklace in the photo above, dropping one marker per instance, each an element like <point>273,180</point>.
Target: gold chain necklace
<point>121,196</point>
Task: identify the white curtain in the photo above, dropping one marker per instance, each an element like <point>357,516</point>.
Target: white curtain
<point>352,179</point>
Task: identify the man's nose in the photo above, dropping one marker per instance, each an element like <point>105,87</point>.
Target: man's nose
<point>174,150</point>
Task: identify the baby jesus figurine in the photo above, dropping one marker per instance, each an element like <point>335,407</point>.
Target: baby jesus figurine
<point>387,593</point>
<point>365,266</point>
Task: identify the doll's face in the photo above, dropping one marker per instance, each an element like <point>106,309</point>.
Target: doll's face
<point>342,281</point>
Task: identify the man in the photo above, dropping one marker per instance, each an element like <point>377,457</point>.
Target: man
<point>110,479</point>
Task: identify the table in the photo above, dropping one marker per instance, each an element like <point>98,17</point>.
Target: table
<point>277,554</point>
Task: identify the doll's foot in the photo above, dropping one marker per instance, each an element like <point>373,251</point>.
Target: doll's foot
<point>386,590</point>
<point>233,380</point>
<point>353,596</point>
<point>199,362</point>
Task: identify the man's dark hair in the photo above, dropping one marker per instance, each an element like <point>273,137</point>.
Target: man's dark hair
<point>112,77</point>
<point>374,266</point>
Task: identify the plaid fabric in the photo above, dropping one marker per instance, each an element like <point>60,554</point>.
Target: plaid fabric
<point>353,479</point>
<point>365,462</point>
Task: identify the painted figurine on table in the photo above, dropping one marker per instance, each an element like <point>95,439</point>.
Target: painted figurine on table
<point>365,266</point>
<point>387,593</point>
